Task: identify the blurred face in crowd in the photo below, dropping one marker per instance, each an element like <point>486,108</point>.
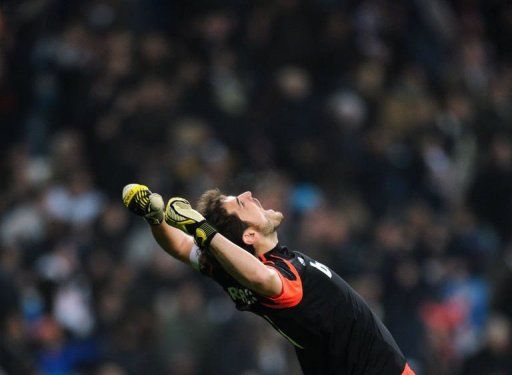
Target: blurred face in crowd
<point>249,210</point>
<point>498,333</point>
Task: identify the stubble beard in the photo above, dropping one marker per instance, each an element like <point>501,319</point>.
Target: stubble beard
<point>274,219</point>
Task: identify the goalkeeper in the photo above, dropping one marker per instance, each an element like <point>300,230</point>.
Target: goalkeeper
<point>233,240</point>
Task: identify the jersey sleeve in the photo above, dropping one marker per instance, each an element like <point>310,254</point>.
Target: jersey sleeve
<point>201,261</point>
<point>291,293</point>
<point>194,257</point>
<point>206,264</point>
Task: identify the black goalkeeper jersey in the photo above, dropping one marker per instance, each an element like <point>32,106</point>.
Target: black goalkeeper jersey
<point>332,328</point>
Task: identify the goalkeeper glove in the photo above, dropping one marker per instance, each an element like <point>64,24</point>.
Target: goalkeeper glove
<point>141,201</point>
<point>180,214</point>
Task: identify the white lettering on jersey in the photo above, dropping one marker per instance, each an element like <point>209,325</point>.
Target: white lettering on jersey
<point>321,267</point>
<point>241,294</point>
<point>301,260</point>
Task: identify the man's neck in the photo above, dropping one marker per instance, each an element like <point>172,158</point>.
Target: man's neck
<point>266,244</point>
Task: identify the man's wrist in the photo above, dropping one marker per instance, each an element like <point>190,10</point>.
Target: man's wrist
<point>204,233</point>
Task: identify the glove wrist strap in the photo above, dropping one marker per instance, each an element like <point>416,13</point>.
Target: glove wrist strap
<point>204,234</point>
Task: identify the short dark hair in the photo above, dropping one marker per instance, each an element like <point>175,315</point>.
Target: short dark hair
<point>210,205</point>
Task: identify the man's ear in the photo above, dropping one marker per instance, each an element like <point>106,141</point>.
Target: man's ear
<point>250,236</point>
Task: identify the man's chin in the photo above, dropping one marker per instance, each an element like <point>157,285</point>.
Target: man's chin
<point>275,217</point>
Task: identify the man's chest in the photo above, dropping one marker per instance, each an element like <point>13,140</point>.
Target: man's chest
<point>244,298</point>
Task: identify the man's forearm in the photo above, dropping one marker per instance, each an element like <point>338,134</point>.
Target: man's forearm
<point>244,267</point>
<point>173,241</point>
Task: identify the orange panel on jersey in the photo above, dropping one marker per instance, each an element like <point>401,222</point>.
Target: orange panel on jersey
<point>407,370</point>
<point>290,295</point>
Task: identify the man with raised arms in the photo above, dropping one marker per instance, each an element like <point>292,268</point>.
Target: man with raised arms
<point>234,240</point>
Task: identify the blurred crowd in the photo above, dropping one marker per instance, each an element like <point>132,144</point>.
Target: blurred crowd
<point>382,129</point>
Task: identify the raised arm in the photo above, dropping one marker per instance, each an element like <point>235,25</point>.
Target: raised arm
<point>173,241</point>
<point>244,267</point>
<point>141,201</point>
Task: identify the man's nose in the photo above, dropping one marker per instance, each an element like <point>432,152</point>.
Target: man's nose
<point>247,194</point>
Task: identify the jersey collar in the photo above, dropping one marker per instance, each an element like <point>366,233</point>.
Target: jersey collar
<point>263,257</point>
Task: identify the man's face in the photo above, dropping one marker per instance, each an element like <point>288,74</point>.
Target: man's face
<point>250,211</point>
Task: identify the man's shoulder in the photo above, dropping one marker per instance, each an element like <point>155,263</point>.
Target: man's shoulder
<point>303,263</point>
<point>296,257</point>
<point>288,262</point>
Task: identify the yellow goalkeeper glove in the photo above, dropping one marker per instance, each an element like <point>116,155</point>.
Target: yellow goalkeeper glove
<point>141,201</point>
<point>180,214</point>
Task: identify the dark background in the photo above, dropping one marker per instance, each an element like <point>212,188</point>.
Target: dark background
<point>380,128</point>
